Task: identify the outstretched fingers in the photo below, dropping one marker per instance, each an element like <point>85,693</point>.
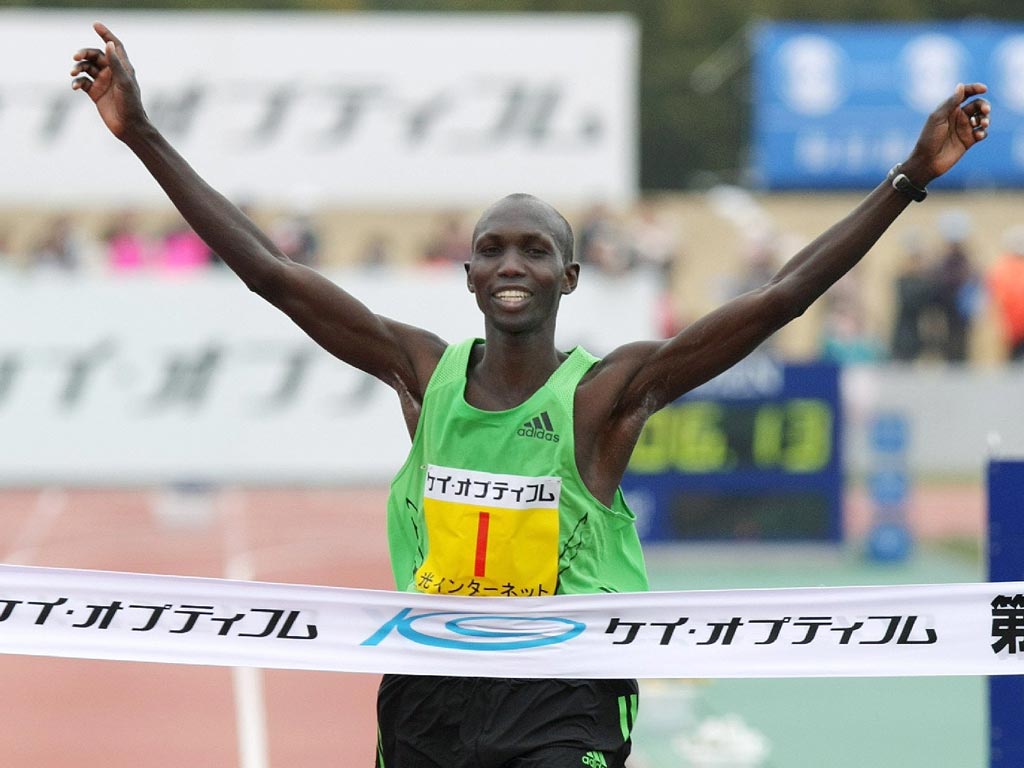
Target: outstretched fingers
<point>966,113</point>
<point>114,48</point>
<point>956,125</point>
<point>976,110</point>
<point>89,62</point>
<point>978,117</point>
<point>105,34</point>
<point>106,75</point>
<point>961,93</point>
<point>95,55</point>
<point>972,89</point>
<point>85,67</point>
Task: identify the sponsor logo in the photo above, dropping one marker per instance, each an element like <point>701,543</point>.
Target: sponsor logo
<point>477,632</point>
<point>594,760</point>
<point>539,428</point>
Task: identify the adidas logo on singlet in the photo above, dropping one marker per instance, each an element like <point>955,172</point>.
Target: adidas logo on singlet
<point>539,428</point>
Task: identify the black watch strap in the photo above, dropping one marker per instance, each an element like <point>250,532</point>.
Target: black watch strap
<point>901,183</point>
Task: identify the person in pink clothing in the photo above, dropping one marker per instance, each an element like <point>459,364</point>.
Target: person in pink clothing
<point>182,250</point>
<point>127,249</point>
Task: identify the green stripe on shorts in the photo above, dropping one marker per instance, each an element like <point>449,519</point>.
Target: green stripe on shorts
<point>627,714</point>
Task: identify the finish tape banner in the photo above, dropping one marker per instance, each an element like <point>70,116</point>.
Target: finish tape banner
<point>947,629</point>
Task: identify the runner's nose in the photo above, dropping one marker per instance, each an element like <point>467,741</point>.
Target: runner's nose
<point>511,263</point>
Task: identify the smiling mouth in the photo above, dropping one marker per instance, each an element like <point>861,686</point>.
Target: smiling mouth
<point>511,296</point>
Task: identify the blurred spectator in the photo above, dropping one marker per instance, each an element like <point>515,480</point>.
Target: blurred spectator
<point>653,244</point>
<point>451,244</point>
<point>297,238</point>
<point>914,294</point>
<point>599,241</point>
<point>127,249</point>
<point>182,251</point>
<point>845,339</point>
<point>958,288</point>
<point>1006,286</point>
<point>63,248</point>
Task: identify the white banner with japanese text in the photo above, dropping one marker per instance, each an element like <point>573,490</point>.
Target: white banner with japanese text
<point>358,109</point>
<point>947,629</point>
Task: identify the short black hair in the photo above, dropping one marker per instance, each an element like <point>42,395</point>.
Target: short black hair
<point>563,235</point>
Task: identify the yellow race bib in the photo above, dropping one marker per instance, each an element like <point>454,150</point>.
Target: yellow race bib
<point>489,534</point>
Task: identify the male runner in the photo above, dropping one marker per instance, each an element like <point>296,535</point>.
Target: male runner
<point>512,482</point>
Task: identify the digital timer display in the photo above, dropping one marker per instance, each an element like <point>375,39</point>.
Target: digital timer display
<point>706,436</point>
<point>761,464</point>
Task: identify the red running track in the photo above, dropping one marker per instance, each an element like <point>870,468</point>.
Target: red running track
<point>100,714</point>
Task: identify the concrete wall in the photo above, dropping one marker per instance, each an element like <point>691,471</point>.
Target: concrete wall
<point>957,417</point>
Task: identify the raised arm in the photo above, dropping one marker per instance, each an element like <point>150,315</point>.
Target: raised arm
<point>725,336</point>
<point>636,380</point>
<point>399,355</point>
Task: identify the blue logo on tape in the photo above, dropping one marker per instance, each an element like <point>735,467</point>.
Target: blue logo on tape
<point>478,632</point>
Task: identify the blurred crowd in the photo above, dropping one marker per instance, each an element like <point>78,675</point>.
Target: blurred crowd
<point>940,295</point>
<point>125,247</point>
<point>937,295</point>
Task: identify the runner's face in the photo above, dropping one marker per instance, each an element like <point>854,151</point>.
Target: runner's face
<point>517,271</point>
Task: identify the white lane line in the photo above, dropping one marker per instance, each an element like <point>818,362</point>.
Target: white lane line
<point>250,701</point>
<point>50,504</point>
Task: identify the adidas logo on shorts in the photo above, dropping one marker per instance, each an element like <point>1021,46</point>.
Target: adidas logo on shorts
<point>539,428</point>
<point>594,760</point>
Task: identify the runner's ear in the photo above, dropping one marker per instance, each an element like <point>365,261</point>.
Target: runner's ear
<point>469,283</point>
<point>571,278</point>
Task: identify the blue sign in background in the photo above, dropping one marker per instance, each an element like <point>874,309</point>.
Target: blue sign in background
<point>754,455</point>
<point>836,105</point>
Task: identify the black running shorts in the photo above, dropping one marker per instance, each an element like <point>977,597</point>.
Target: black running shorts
<point>466,722</point>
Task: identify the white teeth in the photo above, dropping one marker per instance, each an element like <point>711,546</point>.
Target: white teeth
<point>511,295</point>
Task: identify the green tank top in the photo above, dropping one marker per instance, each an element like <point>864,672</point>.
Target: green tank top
<point>491,503</point>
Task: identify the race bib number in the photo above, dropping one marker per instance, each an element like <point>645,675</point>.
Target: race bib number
<point>489,535</point>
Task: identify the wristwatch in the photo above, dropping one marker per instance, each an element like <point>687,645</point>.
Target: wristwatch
<point>901,183</point>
